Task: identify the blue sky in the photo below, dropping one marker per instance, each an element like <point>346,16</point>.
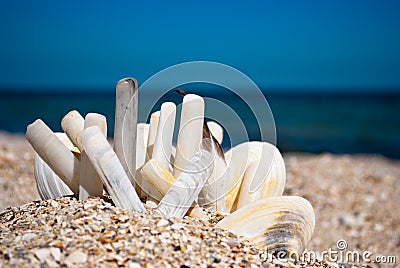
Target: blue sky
<point>278,44</point>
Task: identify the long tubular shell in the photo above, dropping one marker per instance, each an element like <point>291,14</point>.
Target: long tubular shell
<point>240,157</point>
<point>190,131</point>
<point>264,177</point>
<point>141,144</point>
<point>53,151</point>
<point>154,121</point>
<point>141,151</point>
<point>73,124</point>
<point>110,170</point>
<point>216,131</point>
<point>126,112</point>
<point>146,190</point>
<point>276,224</point>
<point>161,180</point>
<point>49,185</point>
<point>90,182</point>
<point>187,186</point>
<point>165,131</point>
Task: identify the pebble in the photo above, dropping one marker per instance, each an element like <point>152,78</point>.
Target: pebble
<point>177,226</point>
<point>77,257</point>
<point>42,254</point>
<point>162,223</point>
<point>56,253</point>
<point>29,236</point>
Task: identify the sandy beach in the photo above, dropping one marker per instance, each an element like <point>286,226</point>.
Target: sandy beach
<point>355,199</point>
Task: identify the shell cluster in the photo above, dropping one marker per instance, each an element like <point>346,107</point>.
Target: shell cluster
<point>244,184</point>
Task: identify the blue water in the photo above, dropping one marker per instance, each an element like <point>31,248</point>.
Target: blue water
<point>306,122</point>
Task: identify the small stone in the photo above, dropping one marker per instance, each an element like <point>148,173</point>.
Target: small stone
<point>54,203</point>
<point>133,265</point>
<point>42,254</point>
<point>77,257</point>
<point>56,253</point>
<point>151,204</point>
<point>233,242</point>
<point>177,226</point>
<point>162,223</point>
<point>29,236</point>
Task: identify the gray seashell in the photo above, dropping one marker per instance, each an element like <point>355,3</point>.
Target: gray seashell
<point>275,224</point>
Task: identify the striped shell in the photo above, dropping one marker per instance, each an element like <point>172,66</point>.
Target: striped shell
<point>276,224</point>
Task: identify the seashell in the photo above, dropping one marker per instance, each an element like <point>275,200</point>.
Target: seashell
<point>110,170</point>
<point>56,155</point>
<point>49,185</point>
<point>165,131</point>
<point>161,180</point>
<point>73,124</point>
<point>240,157</point>
<point>264,177</point>
<point>185,189</point>
<point>90,182</point>
<point>276,224</point>
<point>213,193</point>
<point>190,131</point>
<point>142,133</point>
<point>216,130</point>
<point>154,120</point>
<point>126,112</point>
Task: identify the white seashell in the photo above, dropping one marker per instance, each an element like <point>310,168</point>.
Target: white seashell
<point>264,177</point>
<point>73,124</point>
<point>216,130</point>
<point>141,151</point>
<point>53,151</point>
<point>276,224</point>
<point>154,120</point>
<point>141,144</point>
<point>190,131</point>
<point>213,193</point>
<point>90,182</point>
<point>110,170</point>
<point>165,131</point>
<point>49,185</point>
<point>161,180</point>
<point>126,112</point>
<point>187,186</point>
<point>240,157</point>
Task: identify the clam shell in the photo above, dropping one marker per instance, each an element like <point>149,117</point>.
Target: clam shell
<point>54,152</point>
<point>48,184</point>
<point>276,224</point>
<point>238,159</point>
<point>264,177</point>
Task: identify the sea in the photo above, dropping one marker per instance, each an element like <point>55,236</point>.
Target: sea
<point>334,121</point>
